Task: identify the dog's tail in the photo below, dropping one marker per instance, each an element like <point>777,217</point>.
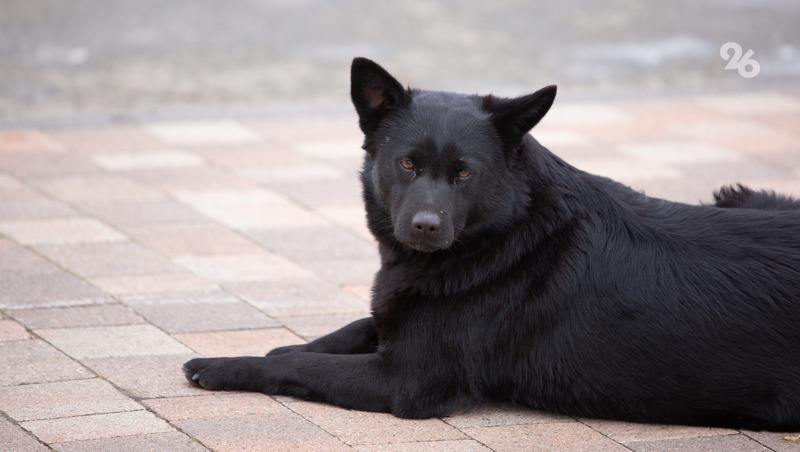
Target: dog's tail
<point>742,197</point>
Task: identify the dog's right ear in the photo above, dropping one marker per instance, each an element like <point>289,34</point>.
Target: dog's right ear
<point>375,93</point>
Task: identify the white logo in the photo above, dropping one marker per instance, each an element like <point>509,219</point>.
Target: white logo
<point>745,65</point>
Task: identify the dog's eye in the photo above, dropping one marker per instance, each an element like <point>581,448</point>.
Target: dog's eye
<point>464,174</point>
<point>407,164</point>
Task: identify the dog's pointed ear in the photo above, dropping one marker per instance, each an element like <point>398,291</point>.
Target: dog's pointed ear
<point>374,92</point>
<point>515,117</point>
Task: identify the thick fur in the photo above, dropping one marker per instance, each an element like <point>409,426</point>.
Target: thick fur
<point>562,291</point>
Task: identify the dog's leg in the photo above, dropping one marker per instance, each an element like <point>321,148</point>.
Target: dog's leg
<point>355,337</point>
<point>351,381</point>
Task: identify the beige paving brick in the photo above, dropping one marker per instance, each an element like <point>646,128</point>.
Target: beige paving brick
<point>491,416</point>
<point>627,170</point>
<point>313,326</point>
<point>361,427</point>
<point>193,240</point>
<point>309,244</point>
<point>738,135</point>
<point>362,291</point>
<point>776,441</point>
<point>35,165</point>
<point>572,436</point>
<point>153,442</point>
<point>186,317</point>
<point>35,361</point>
<point>63,399</point>
<point>104,139</point>
<point>243,217</point>
<point>706,444</point>
<point>147,376</point>
<point>625,432</point>
<point>358,271</point>
<point>132,214</point>
<point>109,259</point>
<point>68,317</point>
<point>26,141</point>
<point>34,208</point>
<point>252,197</point>
<point>292,298</point>
<point>215,405</point>
<point>679,152</point>
<point>239,343</point>
<point>12,331</point>
<point>468,445</point>
<point>66,230</point>
<point>108,341</point>
<point>16,439</point>
<point>570,114</point>
<point>153,284</point>
<point>246,267</point>
<point>748,104</point>
<point>300,171</point>
<point>147,160</point>
<point>349,216</point>
<point>323,192</point>
<point>96,426</point>
<point>187,133</point>
<point>103,188</point>
<point>267,154</point>
<point>329,148</point>
<point>194,178</point>
<point>261,433</point>
<point>46,289</point>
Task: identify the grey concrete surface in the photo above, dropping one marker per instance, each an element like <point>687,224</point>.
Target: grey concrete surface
<point>98,60</point>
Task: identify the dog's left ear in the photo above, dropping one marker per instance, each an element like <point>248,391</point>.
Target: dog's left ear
<point>513,118</point>
<point>374,92</point>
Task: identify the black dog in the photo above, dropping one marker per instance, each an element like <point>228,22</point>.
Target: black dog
<point>509,275</point>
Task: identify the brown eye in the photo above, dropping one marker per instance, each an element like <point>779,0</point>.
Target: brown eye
<point>463,174</point>
<point>407,164</point>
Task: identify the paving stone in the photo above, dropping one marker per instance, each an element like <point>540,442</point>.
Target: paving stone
<point>132,214</point>
<point>186,133</point>
<point>275,175</point>
<point>109,341</point>
<point>313,326</point>
<point>571,114</point>
<point>68,317</point>
<point>63,399</point>
<point>194,178</point>
<point>361,427</point>
<point>131,285</point>
<point>239,343</point>
<point>252,197</point>
<point>572,436</point>
<point>247,267</point>
<point>706,444</point>
<point>748,104</point>
<point>185,317</point>
<point>16,439</point>
<point>679,152</point>
<point>102,188</point>
<point>776,441</point>
<point>278,215</point>
<point>323,192</point>
<point>35,165</point>
<point>96,426</point>
<point>260,433</point>
<point>34,208</point>
<point>215,405</point>
<point>492,416</point>
<point>12,331</point>
<point>104,139</point>
<point>291,298</point>
<point>264,155</point>
<point>309,244</point>
<point>357,271</point>
<point>147,160</point>
<point>26,141</point>
<point>35,361</point>
<point>194,240</point>
<point>46,289</point>
<point>66,230</point>
<point>169,441</point>
<point>627,170</point>
<point>738,135</point>
<point>109,259</point>
<point>147,376</point>
<point>351,216</point>
<point>468,445</point>
<point>625,432</point>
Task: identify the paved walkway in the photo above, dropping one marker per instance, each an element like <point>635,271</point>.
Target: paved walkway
<point>126,250</point>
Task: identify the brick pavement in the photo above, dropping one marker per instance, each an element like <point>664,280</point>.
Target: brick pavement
<point>125,250</point>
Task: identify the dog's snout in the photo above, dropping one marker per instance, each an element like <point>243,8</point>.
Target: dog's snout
<point>426,222</point>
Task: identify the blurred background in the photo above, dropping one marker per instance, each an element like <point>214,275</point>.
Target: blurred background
<point>98,60</point>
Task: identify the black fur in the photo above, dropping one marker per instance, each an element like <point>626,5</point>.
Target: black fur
<point>558,290</point>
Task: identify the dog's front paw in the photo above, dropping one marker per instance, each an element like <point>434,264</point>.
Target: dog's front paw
<point>227,374</point>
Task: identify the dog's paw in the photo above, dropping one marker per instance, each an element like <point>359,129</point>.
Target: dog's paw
<point>229,374</point>
<point>286,349</point>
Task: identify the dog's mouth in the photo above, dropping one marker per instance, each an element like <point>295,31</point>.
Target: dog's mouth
<point>426,247</point>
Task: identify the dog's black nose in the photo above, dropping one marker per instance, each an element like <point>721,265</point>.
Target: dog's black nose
<point>426,223</point>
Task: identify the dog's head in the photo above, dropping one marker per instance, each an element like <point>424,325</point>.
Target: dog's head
<point>442,165</point>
